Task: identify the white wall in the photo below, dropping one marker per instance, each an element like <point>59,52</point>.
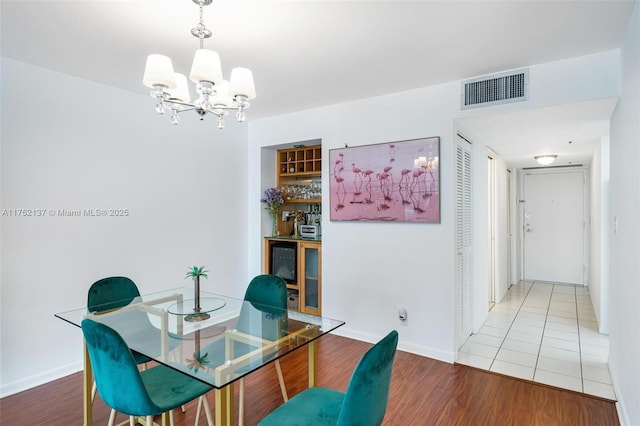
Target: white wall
<point>599,242</point>
<point>625,250</point>
<point>69,143</point>
<point>516,214</point>
<point>371,268</point>
<point>502,229</point>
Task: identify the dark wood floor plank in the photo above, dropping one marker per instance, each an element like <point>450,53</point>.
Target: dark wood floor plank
<point>423,392</point>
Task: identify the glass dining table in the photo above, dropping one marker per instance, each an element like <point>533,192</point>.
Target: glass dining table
<point>212,338</point>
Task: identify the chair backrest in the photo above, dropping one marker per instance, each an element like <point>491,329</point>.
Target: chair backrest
<point>115,370</point>
<point>265,315</point>
<point>111,293</point>
<point>365,401</point>
<point>268,297</point>
<point>269,290</point>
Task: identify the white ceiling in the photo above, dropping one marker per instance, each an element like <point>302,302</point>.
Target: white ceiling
<point>572,132</point>
<point>306,54</point>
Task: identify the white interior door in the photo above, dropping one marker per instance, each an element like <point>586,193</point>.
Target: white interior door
<point>463,240</point>
<point>554,226</point>
<point>491,228</point>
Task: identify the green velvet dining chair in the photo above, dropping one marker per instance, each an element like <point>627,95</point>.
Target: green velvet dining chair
<point>111,293</point>
<point>267,295</point>
<point>363,404</point>
<point>126,389</point>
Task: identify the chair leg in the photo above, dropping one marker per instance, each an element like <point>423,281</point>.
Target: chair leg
<point>112,417</point>
<point>171,422</point>
<point>94,389</point>
<point>198,410</point>
<point>283,388</point>
<point>132,421</point>
<point>207,410</point>
<point>149,420</point>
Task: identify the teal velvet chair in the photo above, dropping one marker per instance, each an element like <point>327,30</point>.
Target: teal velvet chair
<point>363,404</point>
<point>113,293</point>
<point>267,295</point>
<point>127,390</point>
<point>108,294</point>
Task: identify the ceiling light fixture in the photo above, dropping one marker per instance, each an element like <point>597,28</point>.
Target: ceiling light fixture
<point>546,159</point>
<point>215,95</point>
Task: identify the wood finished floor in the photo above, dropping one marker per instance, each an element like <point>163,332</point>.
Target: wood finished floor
<point>423,392</point>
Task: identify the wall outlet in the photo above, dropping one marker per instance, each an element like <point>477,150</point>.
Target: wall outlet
<point>402,315</point>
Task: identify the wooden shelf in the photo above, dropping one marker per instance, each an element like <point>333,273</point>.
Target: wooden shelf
<point>298,167</point>
<point>300,162</point>
<point>304,200</point>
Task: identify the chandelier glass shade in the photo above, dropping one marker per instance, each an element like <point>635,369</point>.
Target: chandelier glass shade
<point>215,95</point>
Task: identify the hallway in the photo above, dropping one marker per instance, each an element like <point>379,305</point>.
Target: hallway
<point>546,333</point>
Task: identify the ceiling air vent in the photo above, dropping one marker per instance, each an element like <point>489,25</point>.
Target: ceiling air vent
<point>512,86</point>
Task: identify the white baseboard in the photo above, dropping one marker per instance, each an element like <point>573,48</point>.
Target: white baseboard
<point>623,417</point>
<point>7,389</point>
<point>425,351</point>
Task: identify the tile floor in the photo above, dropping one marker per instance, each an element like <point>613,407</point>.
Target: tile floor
<point>546,333</point>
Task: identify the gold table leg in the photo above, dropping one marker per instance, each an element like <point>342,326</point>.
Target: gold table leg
<point>312,364</point>
<point>87,384</point>
<point>224,406</point>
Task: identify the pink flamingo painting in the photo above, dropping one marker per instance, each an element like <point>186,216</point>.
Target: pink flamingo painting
<point>388,170</point>
<point>357,171</point>
<point>383,178</point>
<point>339,165</point>
<point>415,181</point>
<point>404,176</point>
<point>392,153</point>
<point>367,175</point>
<point>340,180</point>
<point>382,182</point>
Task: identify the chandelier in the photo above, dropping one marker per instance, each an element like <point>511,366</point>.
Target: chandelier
<point>216,95</point>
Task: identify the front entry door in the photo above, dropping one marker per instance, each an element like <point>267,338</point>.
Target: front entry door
<point>554,226</point>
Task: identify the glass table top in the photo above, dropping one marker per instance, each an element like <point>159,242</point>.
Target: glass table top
<point>235,338</point>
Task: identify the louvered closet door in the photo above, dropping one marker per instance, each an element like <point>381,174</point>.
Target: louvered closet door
<point>463,239</point>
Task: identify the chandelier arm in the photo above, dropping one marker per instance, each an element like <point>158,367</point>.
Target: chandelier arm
<point>230,108</point>
<point>190,108</point>
<point>177,102</point>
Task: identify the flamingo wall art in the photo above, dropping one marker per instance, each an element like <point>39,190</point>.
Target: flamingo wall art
<point>386,182</point>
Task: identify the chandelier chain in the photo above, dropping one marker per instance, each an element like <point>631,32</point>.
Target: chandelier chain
<point>201,26</point>
<point>201,31</point>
